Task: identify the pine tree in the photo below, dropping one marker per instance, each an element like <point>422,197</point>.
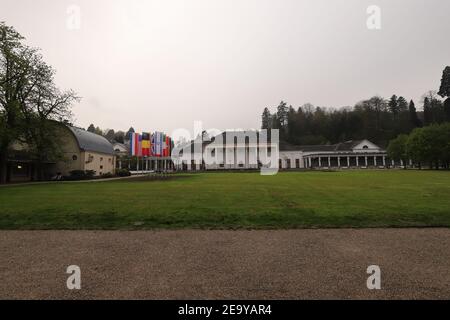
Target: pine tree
<point>393,105</point>
<point>444,91</point>
<point>427,112</point>
<point>128,134</point>
<point>282,115</point>
<point>266,122</point>
<point>402,104</point>
<point>415,122</point>
<point>91,128</point>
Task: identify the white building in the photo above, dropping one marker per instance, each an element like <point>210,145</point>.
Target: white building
<point>349,154</point>
<point>248,152</point>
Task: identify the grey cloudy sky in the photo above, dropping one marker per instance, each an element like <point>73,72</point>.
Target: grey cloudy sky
<point>160,65</point>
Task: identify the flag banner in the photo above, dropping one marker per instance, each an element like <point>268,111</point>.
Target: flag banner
<point>153,139</point>
<point>139,146</point>
<point>145,144</point>
<point>131,137</point>
<point>150,148</point>
<point>159,144</point>
<point>164,145</point>
<point>134,144</point>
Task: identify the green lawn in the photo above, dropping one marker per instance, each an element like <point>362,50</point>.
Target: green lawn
<point>235,200</point>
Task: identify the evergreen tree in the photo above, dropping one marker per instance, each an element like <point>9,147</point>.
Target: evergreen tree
<point>110,135</point>
<point>282,119</point>
<point>266,122</point>
<point>447,109</point>
<point>427,112</point>
<point>414,119</point>
<point>402,104</point>
<point>128,134</point>
<point>91,128</point>
<point>393,105</point>
<point>282,115</point>
<point>119,136</point>
<point>444,91</point>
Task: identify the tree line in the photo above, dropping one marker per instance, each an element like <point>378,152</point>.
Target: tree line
<point>377,119</point>
<point>111,135</point>
<point>427,146</point>
<point>29,100</point>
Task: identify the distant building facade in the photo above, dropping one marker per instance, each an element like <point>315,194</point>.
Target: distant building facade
<point>84,150</point>
<point>80,150</point>
<point>235,155</point>
<point>230,150</point>
<point>349,154</point>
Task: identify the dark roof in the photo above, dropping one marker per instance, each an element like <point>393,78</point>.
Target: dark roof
<point>89,141</point>
<point>234,133</point>
<point>343,146</point>
<point>347,145</point>
<point>123,145</point>
<point>320,147</point>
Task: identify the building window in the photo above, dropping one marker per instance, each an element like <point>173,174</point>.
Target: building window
<point>74,157</point>
<point>109,160</point>
<point>288,163</point>
<point>101,167</point>
<point>20,170</point>
<point>365,147</point>
<point>101,158</point>
<point>297,163</point>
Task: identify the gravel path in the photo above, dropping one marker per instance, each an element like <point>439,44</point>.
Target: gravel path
<point>194,264</point>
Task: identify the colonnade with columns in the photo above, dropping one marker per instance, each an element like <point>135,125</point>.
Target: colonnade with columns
<point>347,161</point>
<point>147,164</point>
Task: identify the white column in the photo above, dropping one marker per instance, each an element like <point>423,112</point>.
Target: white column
<point>401,162</point>
<point>375,161</point>
<point>393,163</point>
<point>339,161</point>
<point>320,162</point>
<point>357,161</point>
<point>384,161</point>
<point>348,162</point>
<point>329,162</point>
<point>365,161</point>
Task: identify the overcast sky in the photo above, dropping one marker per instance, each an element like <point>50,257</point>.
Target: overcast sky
<point>161,65</point>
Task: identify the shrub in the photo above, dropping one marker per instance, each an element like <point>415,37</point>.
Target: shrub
<point>77,175</point>
<point>90,174</point>
<point>80,175</point>
<point>107,175</point>
<point>123,173</point>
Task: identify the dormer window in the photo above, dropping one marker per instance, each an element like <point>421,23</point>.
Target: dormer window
<point>365,147</point>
